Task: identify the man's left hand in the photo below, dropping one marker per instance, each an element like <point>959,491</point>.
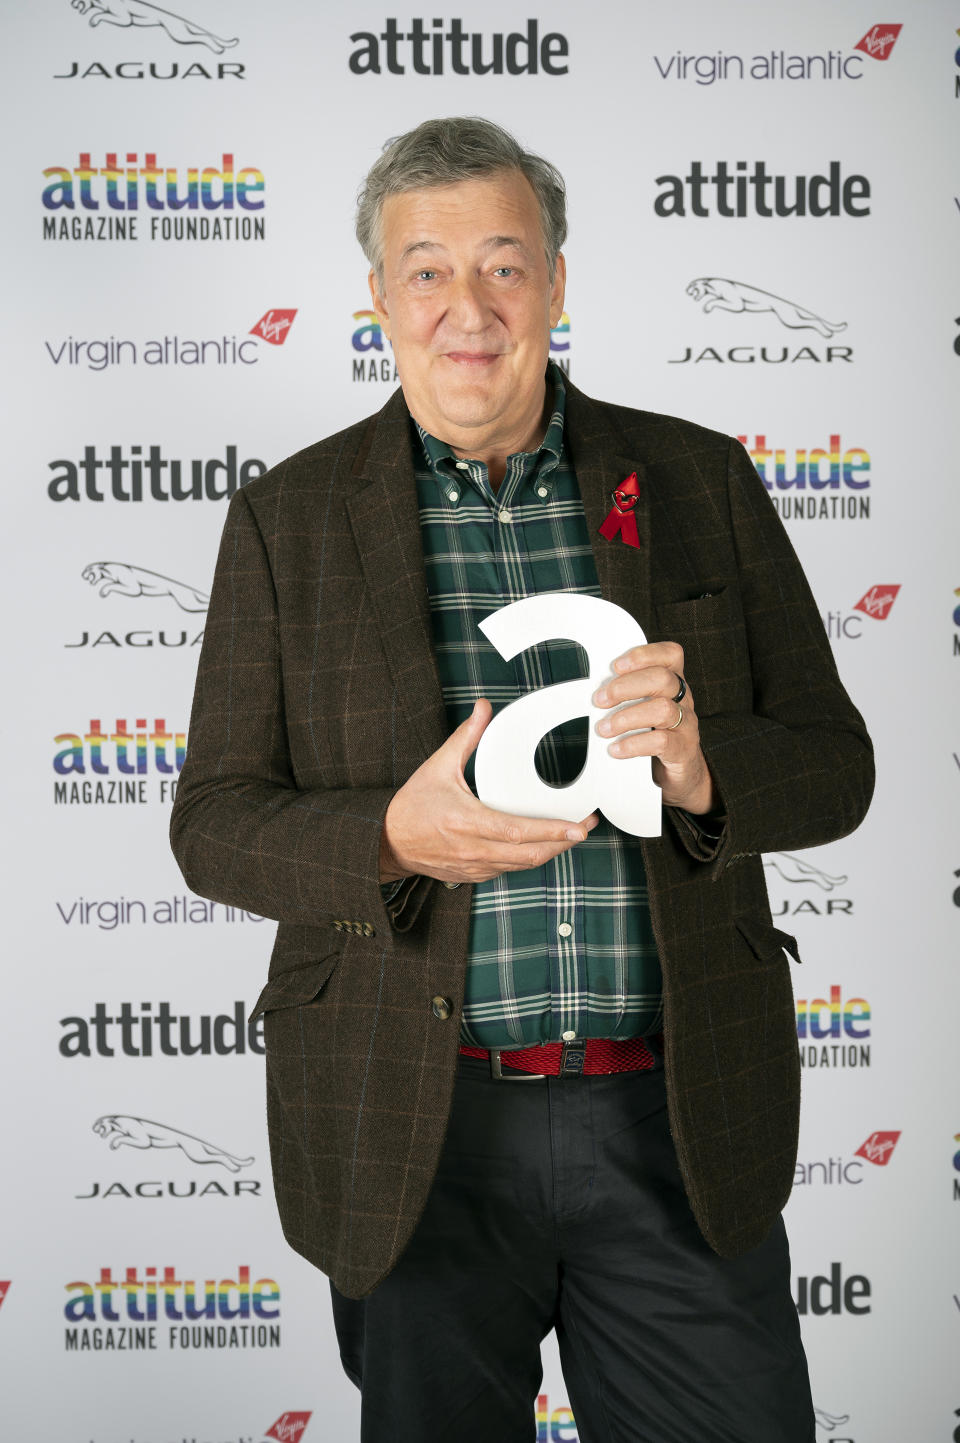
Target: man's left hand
<point>650,677</point>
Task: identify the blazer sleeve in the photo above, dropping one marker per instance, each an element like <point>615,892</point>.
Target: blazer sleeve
<point>241,829</point>
<point>796,771</point>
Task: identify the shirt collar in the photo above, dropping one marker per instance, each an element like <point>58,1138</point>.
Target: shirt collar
<point>441,458</point>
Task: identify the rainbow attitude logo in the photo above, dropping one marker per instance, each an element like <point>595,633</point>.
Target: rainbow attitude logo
<point>128,1314</point>
<point>833,469</point>
<point>108,198</point>
<point>832,1032</point>
<point>372,363</point>
<point>127,757</point>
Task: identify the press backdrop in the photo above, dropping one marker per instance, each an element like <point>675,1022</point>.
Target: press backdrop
<point>764,223</point>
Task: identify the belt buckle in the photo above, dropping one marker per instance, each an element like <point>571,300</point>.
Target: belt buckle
<point>515,1076</point>
<point>573,1056</point>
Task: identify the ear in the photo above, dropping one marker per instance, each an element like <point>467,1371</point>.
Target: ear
<point>379,305</point>
<point>557,290</point>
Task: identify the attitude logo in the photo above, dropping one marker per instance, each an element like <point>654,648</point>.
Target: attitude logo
<point>832,1293</point>
<point>111,200</point>
<point>147,1032</point>
<point>101,768</point>
<point>138,14</point>
<point>956,1181</point>
<point>878,1148</point>
<point>431,50</point>
<point>143,473</point>
<point>745,188</point>
<point>152,1309</point>
<point>783,867</point>
<point>956,86</point>
<point>717,293</point>
<point>289,1427</point>
<point>879,41</point>
<point>956,623</point>
<point>122,1130</point>
<point>833,1032</point>
<point>839,477</point>
<point>877,602</point>
<point>371,363</point>
<point>554,1425</point>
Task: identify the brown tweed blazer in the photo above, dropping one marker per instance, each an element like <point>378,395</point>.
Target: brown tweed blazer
<point>317,696</point>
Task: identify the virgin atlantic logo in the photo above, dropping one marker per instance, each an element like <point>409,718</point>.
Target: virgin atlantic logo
<point>289,1427</point>
<point>878,1148</point>
<point>274,326</point>
<point>877,602</point>
<point>879,41</point>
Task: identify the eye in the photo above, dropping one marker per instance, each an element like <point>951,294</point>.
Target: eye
<point>504,271</point>
<point>425,275</point>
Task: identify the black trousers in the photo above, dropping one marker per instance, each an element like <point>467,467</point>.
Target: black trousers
<point>558,1204</point>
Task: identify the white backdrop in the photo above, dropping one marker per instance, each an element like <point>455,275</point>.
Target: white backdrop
<point>146,1294</point>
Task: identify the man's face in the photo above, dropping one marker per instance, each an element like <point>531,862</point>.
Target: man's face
<point>468,304</point>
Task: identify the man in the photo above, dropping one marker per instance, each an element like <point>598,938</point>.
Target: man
<point>565,1096</point>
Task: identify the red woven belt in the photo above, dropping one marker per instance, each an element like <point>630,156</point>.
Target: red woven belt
<point>602,1055</point>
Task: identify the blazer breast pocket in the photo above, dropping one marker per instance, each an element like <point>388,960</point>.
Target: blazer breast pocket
<point>716,656</point>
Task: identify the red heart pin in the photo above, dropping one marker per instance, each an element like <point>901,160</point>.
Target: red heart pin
<point>621,518</point>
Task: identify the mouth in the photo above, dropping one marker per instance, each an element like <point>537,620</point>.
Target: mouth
<point>472,359</point>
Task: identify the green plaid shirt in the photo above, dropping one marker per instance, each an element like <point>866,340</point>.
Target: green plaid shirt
<point>567,947</point>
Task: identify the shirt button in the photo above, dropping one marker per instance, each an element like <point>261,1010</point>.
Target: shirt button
<point>451,886</point>
<point>565,929</point>
<point>441,1008</point>
<point>453,495</point>
<point>505,515</point>
<point>462,466</point>
<point>568,1036</point>
<point>542,492</point>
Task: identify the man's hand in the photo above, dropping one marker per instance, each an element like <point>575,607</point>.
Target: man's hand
<point>436,827</point>
<point>649,676</point>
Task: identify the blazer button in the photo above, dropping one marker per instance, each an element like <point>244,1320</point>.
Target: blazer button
<point>441,1008</point>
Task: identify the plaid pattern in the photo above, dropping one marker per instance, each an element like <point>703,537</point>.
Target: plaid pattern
<point>318,695</point>
<point>567,946</point>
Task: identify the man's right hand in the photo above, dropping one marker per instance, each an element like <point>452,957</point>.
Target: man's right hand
<point>436,827</point>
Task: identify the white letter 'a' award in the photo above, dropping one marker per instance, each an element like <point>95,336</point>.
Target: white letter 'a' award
<point>506,776</point>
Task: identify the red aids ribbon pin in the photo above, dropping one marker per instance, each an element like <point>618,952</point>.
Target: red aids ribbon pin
<point>621,517</point>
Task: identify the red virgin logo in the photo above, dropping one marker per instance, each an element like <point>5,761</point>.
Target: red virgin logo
<point>289,1427</point>
<point>877,601</point>
<point>879,41</point>
<point>4,1289</point>
<point>273,326</point>
<point>878,1148</point>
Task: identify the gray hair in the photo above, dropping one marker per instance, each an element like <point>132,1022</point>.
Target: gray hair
<point>443,152</point>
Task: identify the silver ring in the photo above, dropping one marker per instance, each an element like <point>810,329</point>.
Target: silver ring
<point>681,693</point>
<point>677,722</point>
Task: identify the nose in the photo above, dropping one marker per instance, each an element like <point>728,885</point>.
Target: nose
<point>468,309</point>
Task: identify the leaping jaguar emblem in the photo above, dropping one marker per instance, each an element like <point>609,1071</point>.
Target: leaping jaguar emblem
<point>120,1130</point>
<point>142,14</point>
<point>718,293</point>
<point>127,580</point>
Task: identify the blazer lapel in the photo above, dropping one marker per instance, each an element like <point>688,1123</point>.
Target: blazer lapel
<point>386,528</point>
<point>601,459</point>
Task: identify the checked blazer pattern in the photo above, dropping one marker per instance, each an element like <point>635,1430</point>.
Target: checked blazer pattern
<point>317,696</point>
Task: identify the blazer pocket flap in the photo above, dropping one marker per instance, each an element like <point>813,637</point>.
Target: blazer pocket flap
<point>292,989</point>
<point>765,940</point>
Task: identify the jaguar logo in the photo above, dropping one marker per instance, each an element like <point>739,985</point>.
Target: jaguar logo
<point>127,13</point>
